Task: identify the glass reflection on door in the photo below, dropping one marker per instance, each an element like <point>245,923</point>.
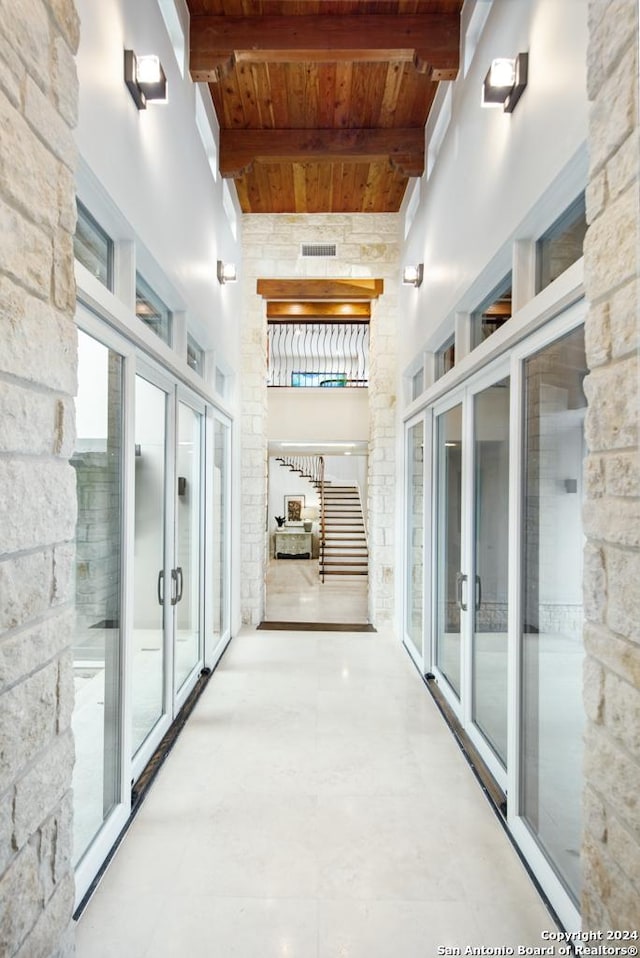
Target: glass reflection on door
<point>415,534</point>
<point>147,667</point>
<point>451,589</point>
<point>187,573</point>
<point>97,644</point>
<point>491,563</point>
<point>552,713</point>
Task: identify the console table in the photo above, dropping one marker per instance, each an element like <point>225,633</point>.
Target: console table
<point>296,544</point>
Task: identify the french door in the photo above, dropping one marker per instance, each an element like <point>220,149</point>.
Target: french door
<point>470,559</point>
<point>151,570</point>
<point>168,615</point>
<point>493,601</point>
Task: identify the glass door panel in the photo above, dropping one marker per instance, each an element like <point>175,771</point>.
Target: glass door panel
<point>491,564</point>
<point>149,579</point>
<point>219,507</point>
<point>450,583</point>
<point>552,652</point>
<point>97,645</point>
<point>186,575</point>
<point>415,535</point>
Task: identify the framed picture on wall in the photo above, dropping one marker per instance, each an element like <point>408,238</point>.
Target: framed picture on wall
<point>293,506</point>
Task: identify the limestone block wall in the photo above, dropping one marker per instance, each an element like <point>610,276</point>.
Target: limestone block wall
<point>368,246</point>
<point>611,849</point>
<point>38,96</point>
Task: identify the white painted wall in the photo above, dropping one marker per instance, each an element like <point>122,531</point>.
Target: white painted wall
<point>493,168</point>
<point>318,414</point>
<point>147,174</point>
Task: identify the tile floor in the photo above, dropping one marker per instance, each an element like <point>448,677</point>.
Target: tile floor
<point>296,594</point>
<point>315,806</point>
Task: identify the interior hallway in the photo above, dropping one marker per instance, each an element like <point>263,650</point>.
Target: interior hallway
<point>314,805</point>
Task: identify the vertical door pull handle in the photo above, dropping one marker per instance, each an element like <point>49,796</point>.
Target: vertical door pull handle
<point>478,592</point>
<point>161,587</point>
<point>174,587</point>
<point>460,580</point>
<point>180,581</point>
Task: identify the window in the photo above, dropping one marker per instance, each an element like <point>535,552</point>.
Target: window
<point>318,379</point>
<point>195,355</point>
<point>152,311</point>
<point>174,29</point>
<point>206,134</point>
<point>417,383</point>
<point>93,248</point>
<point>561,246</point>
<point>445,357</point>
<point>492,313</point>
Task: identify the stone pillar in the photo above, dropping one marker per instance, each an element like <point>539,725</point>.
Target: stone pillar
<point>38,97</point>
<point>611,847</point>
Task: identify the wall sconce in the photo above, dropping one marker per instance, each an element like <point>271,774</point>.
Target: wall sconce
<point>145,79</point>
<point>412,275</point>
<point>226,272</point>
<point>505,82</point>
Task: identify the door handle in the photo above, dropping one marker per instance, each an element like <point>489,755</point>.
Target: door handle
<point>460,580</point>
<point>180,581</point>
<point>478,592</point>
<point>161,587</point>
<point>174,587</point>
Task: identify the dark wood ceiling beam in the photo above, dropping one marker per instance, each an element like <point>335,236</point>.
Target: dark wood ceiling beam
<point>404,149</point>
<point>318,289</point>
<point>324,311</point>
<point>429,40</point>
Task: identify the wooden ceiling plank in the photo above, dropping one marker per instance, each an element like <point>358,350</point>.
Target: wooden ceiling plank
<point>430,41</point>
<point>344,79</point>
<point>240,148</point>
<point>320,289</point>
<point>299,188</point>
<point>327,95</point>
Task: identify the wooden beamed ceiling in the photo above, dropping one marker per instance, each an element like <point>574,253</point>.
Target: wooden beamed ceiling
<point>428,40</point>
<point>322,103</point>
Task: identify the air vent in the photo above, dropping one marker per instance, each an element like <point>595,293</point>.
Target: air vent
<point>318,249</point>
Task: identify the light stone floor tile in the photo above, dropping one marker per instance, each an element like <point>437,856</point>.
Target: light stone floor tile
<point>398,929</point>
<point>196,925</point>
<point>315,805</point>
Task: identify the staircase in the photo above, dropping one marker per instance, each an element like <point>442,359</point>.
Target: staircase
<point>345,545</point>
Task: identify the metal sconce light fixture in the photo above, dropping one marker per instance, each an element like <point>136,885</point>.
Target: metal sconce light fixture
<point>145,79</point>
<point>226,272</point>
<point>505,82</point>
<point>412,275</point>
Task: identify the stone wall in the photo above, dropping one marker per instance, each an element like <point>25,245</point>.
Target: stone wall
<point>38,96</point>
<point>368,246</point>
<point>611,848</point>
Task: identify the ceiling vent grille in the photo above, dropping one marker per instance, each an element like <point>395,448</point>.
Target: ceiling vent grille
<point>318,249</point>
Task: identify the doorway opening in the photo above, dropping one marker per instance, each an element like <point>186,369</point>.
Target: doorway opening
<point>318,557</point>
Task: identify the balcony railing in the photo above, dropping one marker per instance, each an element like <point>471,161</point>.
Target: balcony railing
<point>330,355</point>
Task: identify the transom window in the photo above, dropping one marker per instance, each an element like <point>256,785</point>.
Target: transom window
<point>152,311</point>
